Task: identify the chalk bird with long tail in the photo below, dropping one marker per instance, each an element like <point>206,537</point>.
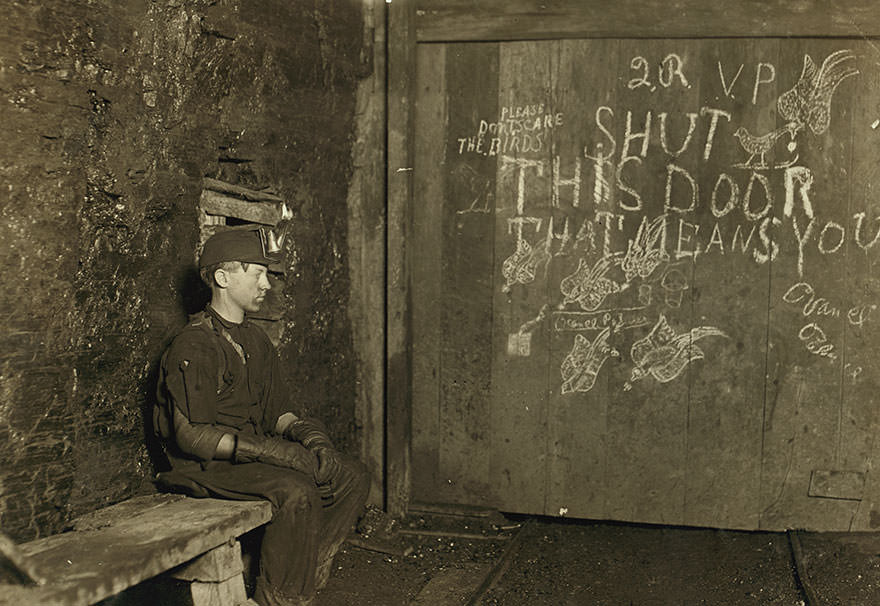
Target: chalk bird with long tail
<point>808,103</point>
<point>664,354</point>
<point>759,145</point>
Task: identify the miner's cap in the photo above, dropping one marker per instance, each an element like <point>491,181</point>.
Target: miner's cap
<point>245,245</point>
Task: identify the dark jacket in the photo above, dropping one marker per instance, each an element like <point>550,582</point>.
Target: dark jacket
<point>223,378</point>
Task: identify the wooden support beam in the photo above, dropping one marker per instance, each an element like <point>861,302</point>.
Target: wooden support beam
<point>265,213</point>
<point>398,390</point>
<point>461,20</point>
<point>238,190</point>
<point>366,251</point>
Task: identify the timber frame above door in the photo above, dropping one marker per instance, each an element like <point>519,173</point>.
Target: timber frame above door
<point>411,24</point>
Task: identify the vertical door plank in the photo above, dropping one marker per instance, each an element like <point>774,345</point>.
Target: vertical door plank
<point>519,340</point>
<point>802,436</point>
<point>730,288</point>
<point>581,347</point>
<point>429,199</point>
<point>861,382</point>
<point>647,419</point>
<point>466,293</point>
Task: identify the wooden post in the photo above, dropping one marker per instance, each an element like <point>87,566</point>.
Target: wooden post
<point>398,390</point>
<point>366,251</point>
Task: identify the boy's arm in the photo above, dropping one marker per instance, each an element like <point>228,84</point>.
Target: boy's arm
<point>202,440</point>
<point>208,442</point>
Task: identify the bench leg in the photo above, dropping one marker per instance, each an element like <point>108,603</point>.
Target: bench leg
<point>223,593</point>
<point>215,577</point>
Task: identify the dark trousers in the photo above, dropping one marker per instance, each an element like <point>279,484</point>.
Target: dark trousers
<point>308,525</point>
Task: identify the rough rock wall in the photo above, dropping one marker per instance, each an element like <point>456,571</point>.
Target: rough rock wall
<point>113,112</point>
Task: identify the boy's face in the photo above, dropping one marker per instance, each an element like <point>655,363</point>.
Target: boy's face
<point>247,288</point>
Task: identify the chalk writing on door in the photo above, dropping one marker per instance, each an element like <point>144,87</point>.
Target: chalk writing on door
<point>568,215</point>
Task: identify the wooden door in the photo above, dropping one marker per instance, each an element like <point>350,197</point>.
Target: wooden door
<point>642,279</point>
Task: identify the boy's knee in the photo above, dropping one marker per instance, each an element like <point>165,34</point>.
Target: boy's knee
<point>362,478</point>
<point>357,468</point>
<point>297,496</point>
<point>359,475</point>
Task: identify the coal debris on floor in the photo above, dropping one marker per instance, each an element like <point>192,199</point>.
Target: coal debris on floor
<point>479,558</point>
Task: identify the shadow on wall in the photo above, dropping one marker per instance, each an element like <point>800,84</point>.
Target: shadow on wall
<point>194,292</point>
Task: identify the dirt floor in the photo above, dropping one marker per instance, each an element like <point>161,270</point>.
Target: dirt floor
<point>425,556</point>
<point>486,559</point>
<point>442,557</point>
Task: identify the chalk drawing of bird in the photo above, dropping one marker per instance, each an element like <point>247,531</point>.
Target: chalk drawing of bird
<point>808,103</point>
<point>664,354</point>
<point>588,286</point>
<point>759,145</point>
<point>582,364</point>
<point>521,266</point>
<point>645,253</point>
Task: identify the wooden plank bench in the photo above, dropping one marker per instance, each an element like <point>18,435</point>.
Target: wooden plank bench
<point>119,547</point>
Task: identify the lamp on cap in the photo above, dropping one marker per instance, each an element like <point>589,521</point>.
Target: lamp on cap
<point>245,245</point>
